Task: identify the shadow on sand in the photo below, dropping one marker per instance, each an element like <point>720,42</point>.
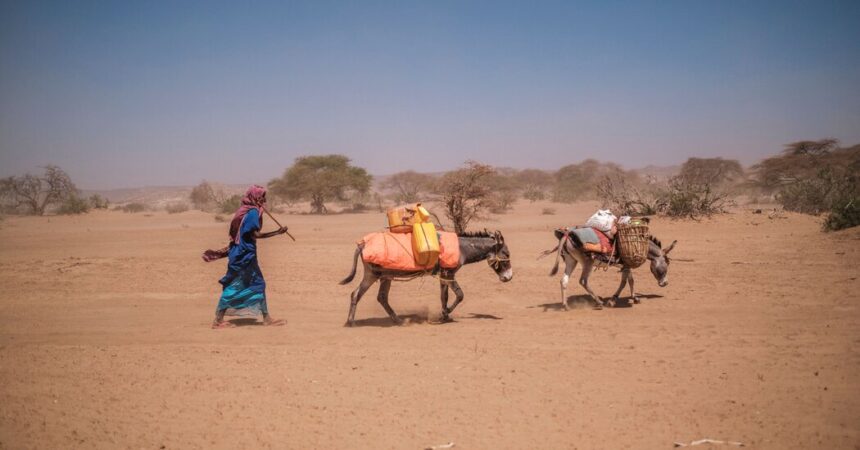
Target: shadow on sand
<point>413,319</point>
<point>584,301</point>
<point>246,322</point>
<point>385,322</point>
<point>482,316</point>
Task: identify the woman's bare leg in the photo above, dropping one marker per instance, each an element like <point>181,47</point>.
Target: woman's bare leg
<point>219,320</point>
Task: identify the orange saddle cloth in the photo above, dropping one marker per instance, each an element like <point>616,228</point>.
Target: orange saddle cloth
<point>394,251</point>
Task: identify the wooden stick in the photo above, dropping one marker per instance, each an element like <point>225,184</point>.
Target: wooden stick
<point>276,222</point>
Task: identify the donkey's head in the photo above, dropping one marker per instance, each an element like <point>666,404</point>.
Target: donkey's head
<point>660,260</point>
<point>500,258</point>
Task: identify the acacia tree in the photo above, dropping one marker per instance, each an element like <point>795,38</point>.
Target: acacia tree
<point>320,179</point>
<point>711,171</point>
<point>798,161</point>
<point>409,186</point>
<point>465,193</point>
<point>36,194</point>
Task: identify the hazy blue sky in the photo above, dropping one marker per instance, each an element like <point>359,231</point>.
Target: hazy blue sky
<point>132,93</point>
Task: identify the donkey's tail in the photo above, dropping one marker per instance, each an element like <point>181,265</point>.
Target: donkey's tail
<point>561,241</point>
<point>351,275</point>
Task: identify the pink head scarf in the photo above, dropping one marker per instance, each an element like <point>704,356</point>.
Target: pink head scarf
<point>255,198</point>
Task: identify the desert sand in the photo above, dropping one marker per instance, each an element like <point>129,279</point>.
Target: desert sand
<point>105,341</point>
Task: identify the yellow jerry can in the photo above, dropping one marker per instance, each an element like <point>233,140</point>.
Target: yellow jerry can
<point>401,218</point>
<point>425,244</point>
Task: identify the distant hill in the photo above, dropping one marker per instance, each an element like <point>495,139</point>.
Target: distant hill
<point>158,196</point>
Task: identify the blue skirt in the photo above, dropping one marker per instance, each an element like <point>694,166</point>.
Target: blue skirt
<point>244,296</point>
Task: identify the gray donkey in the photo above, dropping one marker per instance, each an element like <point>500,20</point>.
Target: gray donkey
<point>474,247</point>
<point>571,254</point>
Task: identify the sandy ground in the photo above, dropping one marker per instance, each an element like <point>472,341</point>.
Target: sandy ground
<point>105,342</point>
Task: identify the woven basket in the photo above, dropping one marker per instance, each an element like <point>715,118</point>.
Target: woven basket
<point>633,244</point>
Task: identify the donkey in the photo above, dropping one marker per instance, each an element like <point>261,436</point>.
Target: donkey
<point>474,247</point>
<point>571,254</point>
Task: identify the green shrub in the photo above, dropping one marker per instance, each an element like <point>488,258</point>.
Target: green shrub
<point>808,196</point>
<point>844,205</point>
<point>533,194</point>
<point>693,200</point>
<point>98,202</point>
<point>845,215</point>
<point>74,205</point>
<point>231,204</point>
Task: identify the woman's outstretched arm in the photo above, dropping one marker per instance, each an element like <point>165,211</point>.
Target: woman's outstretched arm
<point>279,231</point>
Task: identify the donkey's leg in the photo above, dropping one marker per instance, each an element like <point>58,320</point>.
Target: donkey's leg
<point>366,283</point>
<point>382,298</point>
<point>569,265</point>
<point>444,295</point>
<point>633,293</point>
<point>458,292</point>
<point>587,265</point>
<point>625,274</point>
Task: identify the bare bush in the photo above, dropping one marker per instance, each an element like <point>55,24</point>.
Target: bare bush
<point>624,194</point>
<point>702,188</point>
<point>694,200</point>
<point>465,194</point>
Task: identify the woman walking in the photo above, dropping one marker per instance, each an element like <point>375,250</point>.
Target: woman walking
<point>244,289</point>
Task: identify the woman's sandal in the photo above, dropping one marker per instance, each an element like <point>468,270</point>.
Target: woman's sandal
<point>274,322</point>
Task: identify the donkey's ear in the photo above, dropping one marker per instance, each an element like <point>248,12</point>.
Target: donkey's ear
<point>499,237</point>
<point>669,249</point>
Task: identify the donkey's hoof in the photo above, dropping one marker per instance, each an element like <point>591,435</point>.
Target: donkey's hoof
<point>348,324</point>
<point>612,302</point>
<point>636,300</point>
